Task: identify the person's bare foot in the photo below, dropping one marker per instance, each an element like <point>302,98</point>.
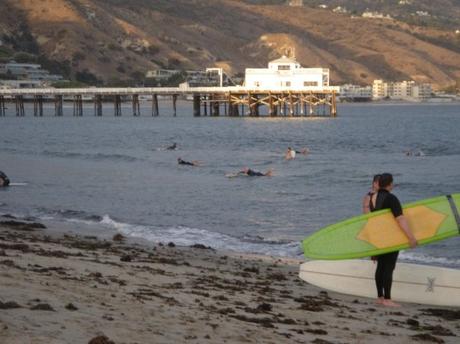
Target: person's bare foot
<point>389,303</point>
<point>379,301</point>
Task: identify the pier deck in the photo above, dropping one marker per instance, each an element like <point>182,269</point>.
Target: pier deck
<point>237,101</point>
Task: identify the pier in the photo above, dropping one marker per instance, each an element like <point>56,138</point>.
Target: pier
<point>234,101</point>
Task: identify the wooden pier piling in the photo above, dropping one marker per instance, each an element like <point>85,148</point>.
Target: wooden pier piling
<point>38,106</point>
<point>236,101</point>
<point>117,106</point>
<point>58,106</point>
<point>98,105</point>
<point>196,105</point>
<point>155,110</point>
<point>2,107</point>
<point>174,100</point>
<point>19,106</point>
<point>136,106</point>
<point>78,105</point>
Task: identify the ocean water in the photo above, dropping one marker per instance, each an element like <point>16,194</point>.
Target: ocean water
<point>113,174</point>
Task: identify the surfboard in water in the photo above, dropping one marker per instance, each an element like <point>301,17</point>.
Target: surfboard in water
<point>378,232</point>
<point>414,283</point>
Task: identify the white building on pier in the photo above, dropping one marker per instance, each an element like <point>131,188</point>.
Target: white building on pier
<point>284,74</point>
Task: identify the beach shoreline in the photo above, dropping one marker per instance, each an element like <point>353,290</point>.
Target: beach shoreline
<point>58,287</point>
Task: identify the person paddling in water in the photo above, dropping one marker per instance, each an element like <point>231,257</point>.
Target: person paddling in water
<point>386,263</point>
<point>251,173</point>
<point>291,153</point>
<point>188,163</point>
<point>172,147</point>
<point>4,180</point>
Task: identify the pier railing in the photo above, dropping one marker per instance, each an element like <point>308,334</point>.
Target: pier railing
<point>236,100</point>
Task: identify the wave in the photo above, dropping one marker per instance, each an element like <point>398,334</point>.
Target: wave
<point>68,215</point>
<point>186,236</point>
<point>89,156</point>
<point>424,259</point>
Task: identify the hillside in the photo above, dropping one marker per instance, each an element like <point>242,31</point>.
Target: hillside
<point>113,41</point>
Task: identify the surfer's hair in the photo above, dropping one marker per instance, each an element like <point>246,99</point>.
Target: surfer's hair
<point>376,178</point>
<point>385,180</point>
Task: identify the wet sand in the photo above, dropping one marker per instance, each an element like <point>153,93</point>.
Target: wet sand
<point>65,288</point>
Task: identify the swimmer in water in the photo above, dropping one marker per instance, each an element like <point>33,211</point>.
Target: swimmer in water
<point>251,173</point>
<point>291,153</point>
<point>188,163</point>
<point>4,180</point>
<point>172,147</point>
<point>414,153</point>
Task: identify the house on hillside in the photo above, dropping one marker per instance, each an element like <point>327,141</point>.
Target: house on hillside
<point>286,73</point>
<point>295,3</point>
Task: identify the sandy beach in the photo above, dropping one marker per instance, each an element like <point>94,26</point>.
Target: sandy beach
<point>63,288</point>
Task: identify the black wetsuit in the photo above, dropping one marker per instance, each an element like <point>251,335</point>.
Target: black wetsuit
<point>386,262</point>
<point>252,173</point>
<point>183,162</point>
<point>5,179</point>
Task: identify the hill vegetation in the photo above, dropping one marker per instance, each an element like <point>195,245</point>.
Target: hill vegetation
<point>116,41</point>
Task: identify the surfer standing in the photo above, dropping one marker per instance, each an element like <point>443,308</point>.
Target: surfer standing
<point>386,263</point>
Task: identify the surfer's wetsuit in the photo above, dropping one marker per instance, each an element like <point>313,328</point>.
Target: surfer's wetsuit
<point>252,173</point>
<point>386,262</point>
<point>4,180</point>
<point>183,162</point>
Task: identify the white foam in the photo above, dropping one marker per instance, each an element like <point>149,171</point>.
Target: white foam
<point>418,257</point>
<point>186,236</point>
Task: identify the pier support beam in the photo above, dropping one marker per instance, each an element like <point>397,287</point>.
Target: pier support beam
<point>58,106</point>
<point>205,105</point>
<point>19,106</point>
<point>155,110</point>
<point>136,106</point>
<point>98,105</point>
<point>38,106</point>
<point>2,107</point>
<point>78,105</point>
<point>174,100</point>
<point>291,104</point>
<point>215,106</point>
<point>117,105</point>
<point>334,105</point>
<point>196,105</point>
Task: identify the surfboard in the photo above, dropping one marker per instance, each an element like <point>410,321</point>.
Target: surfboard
<point>378,232</point>
<point>413,283</point>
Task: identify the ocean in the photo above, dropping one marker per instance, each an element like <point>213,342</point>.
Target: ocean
<point>113,174</point>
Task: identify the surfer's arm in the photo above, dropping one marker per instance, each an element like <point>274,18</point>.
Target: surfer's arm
<point>404,225</point>
<point>366,208</point>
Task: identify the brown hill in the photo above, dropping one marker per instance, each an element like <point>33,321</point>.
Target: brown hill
<point>122,39</point>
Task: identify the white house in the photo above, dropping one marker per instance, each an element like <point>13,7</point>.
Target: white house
<point>286,73</point>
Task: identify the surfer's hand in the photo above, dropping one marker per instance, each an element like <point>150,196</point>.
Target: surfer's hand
<point>412,243</point>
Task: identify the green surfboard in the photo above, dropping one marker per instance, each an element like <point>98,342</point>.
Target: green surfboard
<point>378,232</point>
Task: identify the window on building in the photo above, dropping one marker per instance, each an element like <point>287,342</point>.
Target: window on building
<point>256,83</point>
<point>310,83</point>
<point>284,67</point>
<point>288,84</point>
